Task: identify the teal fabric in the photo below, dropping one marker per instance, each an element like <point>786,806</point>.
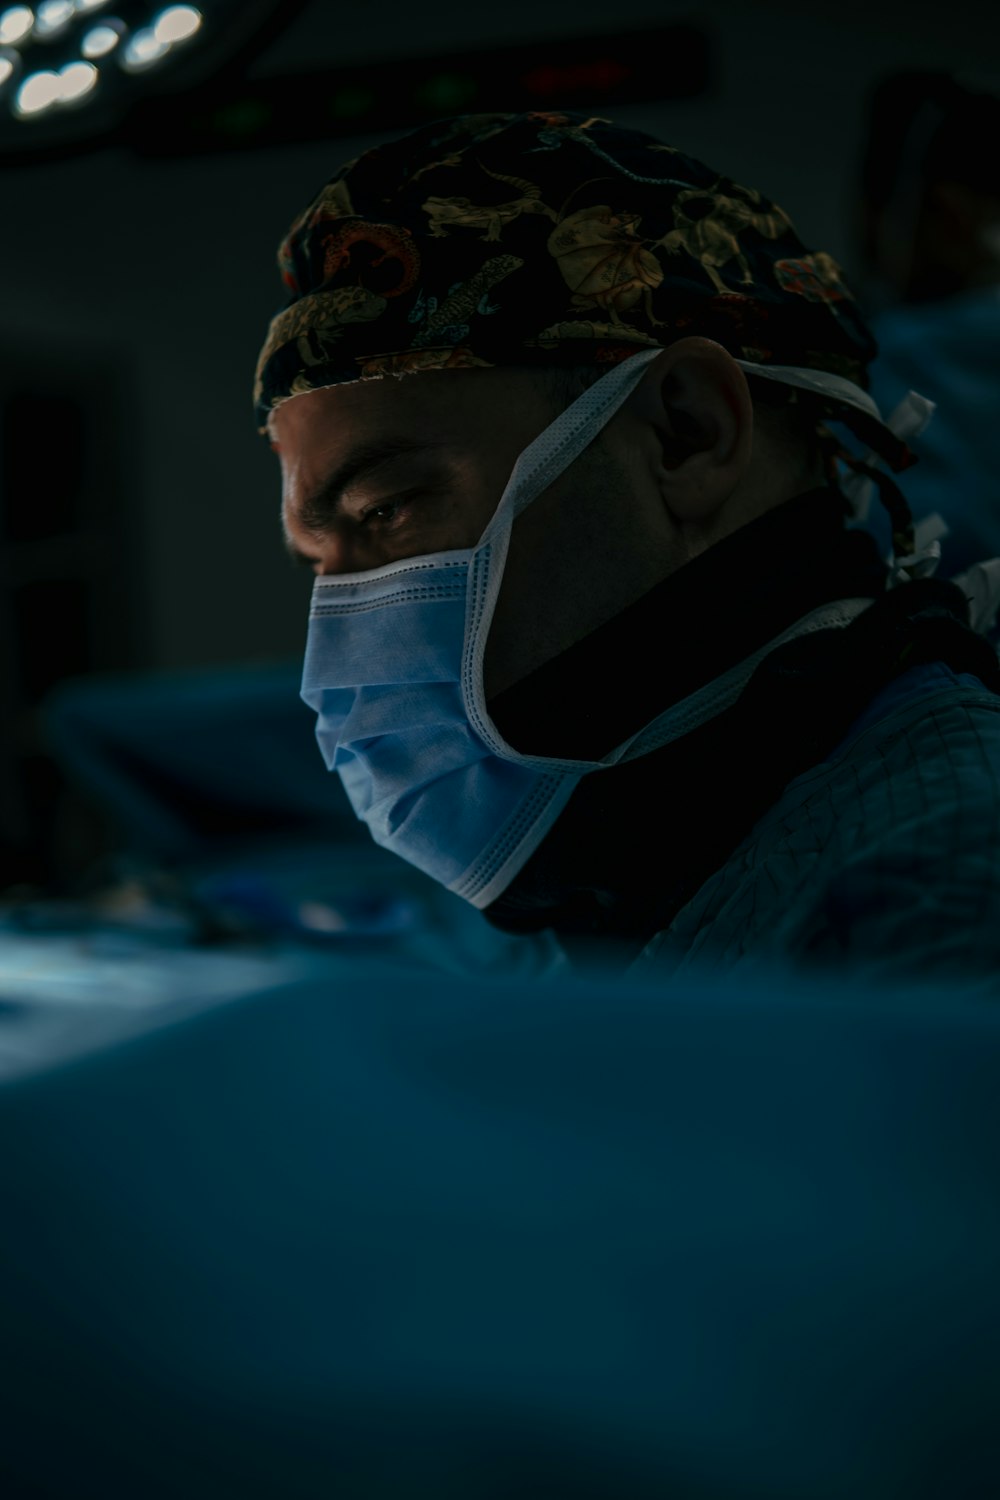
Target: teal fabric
<point>948,351</point>
<point>416,1237</point>
<point>883,860</point>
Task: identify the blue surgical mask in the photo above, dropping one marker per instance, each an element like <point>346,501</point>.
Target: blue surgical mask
<point>394,672</point>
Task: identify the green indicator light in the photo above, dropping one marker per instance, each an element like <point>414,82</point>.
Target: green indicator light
<point>350,101</point>
<point>242,117</point>
<point>446,91</point>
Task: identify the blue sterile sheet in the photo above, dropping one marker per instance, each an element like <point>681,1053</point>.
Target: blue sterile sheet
<point>403,1233</point>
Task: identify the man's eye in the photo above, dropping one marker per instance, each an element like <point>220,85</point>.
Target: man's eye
<point>385,512</point>
<point>388,511</point>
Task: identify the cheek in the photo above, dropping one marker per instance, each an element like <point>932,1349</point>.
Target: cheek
<point>291,532</point>
<point>467,503</point>
<point>579,555</point>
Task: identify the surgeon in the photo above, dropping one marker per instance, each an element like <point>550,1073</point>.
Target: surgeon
<point>560,411</point>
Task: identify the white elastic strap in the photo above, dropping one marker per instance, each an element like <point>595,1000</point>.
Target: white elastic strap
<point>911,416</point>
<point>545,458</point>
<point>691,712</point>
<point>981,586</point>
<point>922,562</point>
<point>907,421</point>
<point>820,382</point>
<point>715,697</point>
<point>566,437</point>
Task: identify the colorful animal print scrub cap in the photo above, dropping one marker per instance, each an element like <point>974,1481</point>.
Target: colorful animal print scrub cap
<point>542,239</point>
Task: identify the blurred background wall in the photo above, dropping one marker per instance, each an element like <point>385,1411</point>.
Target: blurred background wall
<point>147,284</point>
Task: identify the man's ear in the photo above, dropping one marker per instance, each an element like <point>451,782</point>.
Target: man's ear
<point>696,399</point>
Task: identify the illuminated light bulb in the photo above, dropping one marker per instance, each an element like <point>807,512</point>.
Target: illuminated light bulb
<point>15,23</point>
<point>6,69</point>
<point>52,16</point>
<point>142,50</point>
<point>83,6</point>
<point>176,24</point>
<point>38,92</point>
<point>76,80</point>
<point>99,41</point>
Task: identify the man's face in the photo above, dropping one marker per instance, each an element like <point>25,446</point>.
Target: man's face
<point>382,470</point>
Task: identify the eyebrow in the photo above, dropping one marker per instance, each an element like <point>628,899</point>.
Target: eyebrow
<point>318,511</point>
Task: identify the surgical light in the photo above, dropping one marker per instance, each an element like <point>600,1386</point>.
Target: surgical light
<point>176,24</point>
<point>77,79</point>
<point>52,16</point>
<point>143,49</point>
<point>99,41</point>
<point>38,92</point>
<point>117,62</point>
<point>15,23</point>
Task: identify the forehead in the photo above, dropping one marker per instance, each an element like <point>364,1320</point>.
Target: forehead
<point>330,418</point>
<point>439,405</point>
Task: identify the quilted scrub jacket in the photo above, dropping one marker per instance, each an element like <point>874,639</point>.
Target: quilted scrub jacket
<point>884,859</point>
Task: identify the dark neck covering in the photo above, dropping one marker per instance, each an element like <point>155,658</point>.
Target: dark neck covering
<point>636,841</point>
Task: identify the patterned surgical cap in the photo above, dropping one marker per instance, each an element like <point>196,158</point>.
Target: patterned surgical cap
<point>543,239</point>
